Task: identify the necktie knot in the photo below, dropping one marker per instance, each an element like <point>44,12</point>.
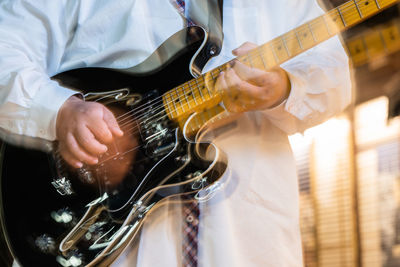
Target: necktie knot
<point>180,5</point>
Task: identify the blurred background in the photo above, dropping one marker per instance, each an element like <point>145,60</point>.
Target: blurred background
<point>349,166</point>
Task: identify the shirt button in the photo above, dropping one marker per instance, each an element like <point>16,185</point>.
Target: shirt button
<point>189,219</point>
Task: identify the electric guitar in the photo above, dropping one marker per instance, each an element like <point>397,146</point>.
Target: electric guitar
<point>57,216</point>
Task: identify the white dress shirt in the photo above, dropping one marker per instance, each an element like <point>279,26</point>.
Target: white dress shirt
<point>253,219</point>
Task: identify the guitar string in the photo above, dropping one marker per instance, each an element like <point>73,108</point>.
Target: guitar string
<point>132,131</point>
<point>345,8</point>
<point>183,87</point>
<point>247,57</point>
<point>201,81</point>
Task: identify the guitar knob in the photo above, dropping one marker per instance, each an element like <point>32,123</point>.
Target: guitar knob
<point>64,216</point>
<point>73,259</point>
<point>45,244</point>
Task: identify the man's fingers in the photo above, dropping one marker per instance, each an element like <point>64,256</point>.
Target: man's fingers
<point>87,141</point>
<point>220,84</point>
<point>249,74</point>
<point>67,156</point>
<point>77,152</point>
<point>101,131</point>
<point>112,123</point>
<point>242,86</point>
<point>231,96</point>
<point>244,49</point>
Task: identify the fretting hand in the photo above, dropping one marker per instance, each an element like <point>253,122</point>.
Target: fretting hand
<point>83,131</point>
<point>247,88</point>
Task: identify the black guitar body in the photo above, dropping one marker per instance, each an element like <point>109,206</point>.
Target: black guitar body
<point>54,215</point>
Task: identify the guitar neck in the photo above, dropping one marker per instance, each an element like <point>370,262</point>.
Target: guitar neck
<point>376,43</point>
<point>199,93</point>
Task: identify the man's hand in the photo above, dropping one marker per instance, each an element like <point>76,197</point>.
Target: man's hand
<point>83,130</point>
<point>247,88</point>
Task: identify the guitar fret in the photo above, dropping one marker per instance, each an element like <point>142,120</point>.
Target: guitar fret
<point>173,102</point>
<point>186,98</point>
<point>260,54</point>
<point>255,59</point>
<point>170,100</point>
<point>312,33</point>
<point>377,4</point>
<point>367,8</point>
<point>284,44</point>
<point>334,22</point>
<point>193,94</point>
<point>319,30</point>
<point>281,52</point>
<point>273,52</point>
<point>182,97</point>
<point>167,103</point>
<point>179,99</point>
<point>306,37</point>
<point>292,43</point>
<point>298,39</point>
<point>358,8</point>
<point>268,54</point>
<point>341,16</point>
<point>199,89</point>
<point>326,25</point>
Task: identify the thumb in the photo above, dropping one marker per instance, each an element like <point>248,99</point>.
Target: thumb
<point>244,49</point>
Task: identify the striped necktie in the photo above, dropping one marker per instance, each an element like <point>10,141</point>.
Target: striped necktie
<point>190,207</point>
<point>180,5</point>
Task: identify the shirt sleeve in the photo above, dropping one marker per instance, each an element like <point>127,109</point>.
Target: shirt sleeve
<point>33,35</point>
<point>320,82</point>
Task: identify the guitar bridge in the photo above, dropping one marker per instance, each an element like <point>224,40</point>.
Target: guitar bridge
<point>63,186</point>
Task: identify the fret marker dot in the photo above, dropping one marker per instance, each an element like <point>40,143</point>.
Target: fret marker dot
<point>366,3</point>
